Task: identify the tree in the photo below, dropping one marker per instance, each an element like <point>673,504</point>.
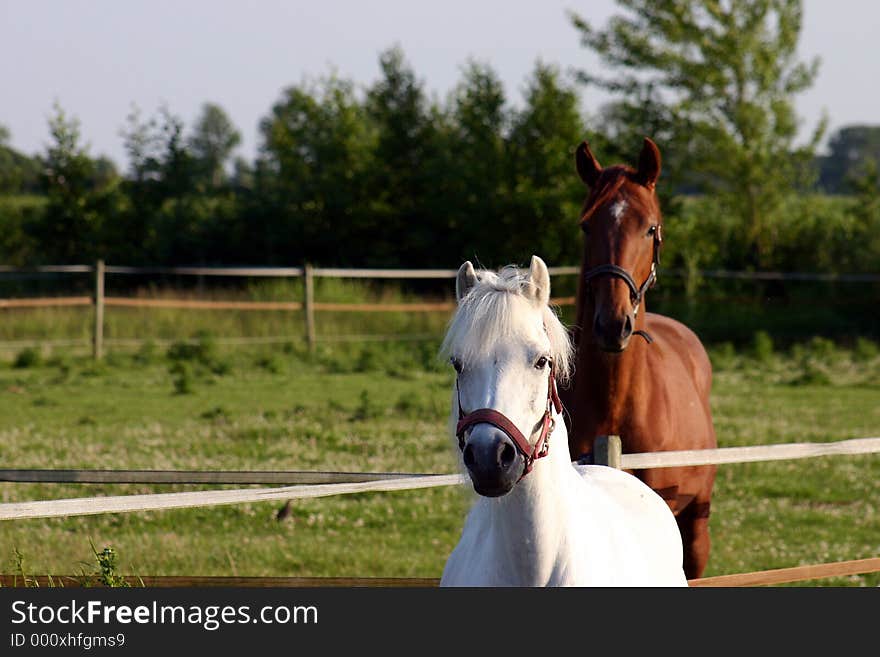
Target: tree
<point>212,142</point>
<point>70,226</point>
<point>545,192</point>
<point>403,180</point>
<point>472,180</point>
<point>717,81</point>
<point>166,217</point>
<point>865,246</point>
<point>18,173</point>
<point>850,149</point>
<point>177,162</point>
<point>312,173</point>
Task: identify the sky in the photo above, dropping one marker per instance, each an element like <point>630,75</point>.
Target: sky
<point>101,58</point>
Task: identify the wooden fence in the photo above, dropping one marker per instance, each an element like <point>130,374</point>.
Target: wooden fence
<point>299,485</point>
<point>308,305</point>
<point>321,484</point>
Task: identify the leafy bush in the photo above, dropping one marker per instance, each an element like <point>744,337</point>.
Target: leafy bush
<point>203,349</point>
<point>823,349</point>
<point>369,360</point>
<point>269,362</point>
<point>866,349</point>
<point>27,357</point>
<point>201,352</point>
<point>181,378</point>
<point>762,347</point>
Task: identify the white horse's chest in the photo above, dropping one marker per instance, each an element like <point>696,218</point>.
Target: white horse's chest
<point>617,534</point>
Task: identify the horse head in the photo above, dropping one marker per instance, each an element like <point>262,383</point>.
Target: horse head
<point>622,228</point>
<point>507,347</point>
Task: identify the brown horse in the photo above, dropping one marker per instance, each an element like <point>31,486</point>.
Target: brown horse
<point>638,375</point>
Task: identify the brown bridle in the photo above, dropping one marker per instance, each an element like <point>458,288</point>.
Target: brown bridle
<point>636,292</point>
<point>498,419</point>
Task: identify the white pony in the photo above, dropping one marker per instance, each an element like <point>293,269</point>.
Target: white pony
<point>540,520</point>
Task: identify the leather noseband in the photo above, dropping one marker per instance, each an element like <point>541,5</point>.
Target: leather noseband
<point>491,416</point>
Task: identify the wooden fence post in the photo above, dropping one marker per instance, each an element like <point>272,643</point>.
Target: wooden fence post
<point>98,334</point>
<point>308,305</point>
<point>607,451</point>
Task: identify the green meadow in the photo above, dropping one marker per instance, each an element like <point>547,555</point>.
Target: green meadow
<point>376,406</point>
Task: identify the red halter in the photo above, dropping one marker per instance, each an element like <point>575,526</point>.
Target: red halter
<point>493,417</point>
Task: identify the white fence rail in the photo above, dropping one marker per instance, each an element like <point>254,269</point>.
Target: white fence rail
<point>84,506</point>
<point>160,501</point>
<point>748,454</point>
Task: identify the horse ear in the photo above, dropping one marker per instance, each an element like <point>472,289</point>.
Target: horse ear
<point>649,164</point>
<point>465,280</point>
<point>539,277</point>
<point>588,166</point>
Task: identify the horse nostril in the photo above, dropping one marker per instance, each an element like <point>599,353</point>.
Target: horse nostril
<point>506,456</point>
<point>627,327</point>
<point>468,456</point>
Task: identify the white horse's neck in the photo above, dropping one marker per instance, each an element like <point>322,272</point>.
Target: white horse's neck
<point>531,525</point>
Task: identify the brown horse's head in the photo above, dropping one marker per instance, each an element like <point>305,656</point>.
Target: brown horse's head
<point>622,234</point>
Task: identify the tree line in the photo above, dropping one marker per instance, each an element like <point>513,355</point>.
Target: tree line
<point>390,177</point>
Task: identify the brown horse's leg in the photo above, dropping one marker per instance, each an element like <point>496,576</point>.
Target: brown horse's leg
<point>693,523</point>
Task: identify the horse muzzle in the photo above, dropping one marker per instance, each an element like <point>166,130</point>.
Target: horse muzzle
<point>613,333</point>
<point>492,460</point>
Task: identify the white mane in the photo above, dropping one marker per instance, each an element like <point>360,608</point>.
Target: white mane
<point>493,310</point>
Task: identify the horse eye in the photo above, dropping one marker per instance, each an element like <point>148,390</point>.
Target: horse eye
<point>456,364</point>
<point>541,363</point>
<point>652,231</point>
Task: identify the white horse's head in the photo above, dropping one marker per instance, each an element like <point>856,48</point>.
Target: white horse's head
<point>506,345</point>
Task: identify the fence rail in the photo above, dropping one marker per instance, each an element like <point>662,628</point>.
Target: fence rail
<point>128,302</point>
<point>609,449</point>
<point>748,454</point>
<point>85,506</point>
<point>194,476</point>
<point>46,302</point>
<point>47,269</point>
<point>794,574</point>
<point>308,305</point>
<point>269,272</point>
<point>340,272</point>
<point>322,484</point>
<point>757,578</point>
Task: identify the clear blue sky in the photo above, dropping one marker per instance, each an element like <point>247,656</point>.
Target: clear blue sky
<point>99,57</point>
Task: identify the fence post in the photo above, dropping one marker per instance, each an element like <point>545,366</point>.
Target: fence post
<point>98,334</point>
<point>308,305</point>
<point>607,451</point>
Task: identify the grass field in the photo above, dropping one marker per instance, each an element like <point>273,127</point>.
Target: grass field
<point>384,407</point>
